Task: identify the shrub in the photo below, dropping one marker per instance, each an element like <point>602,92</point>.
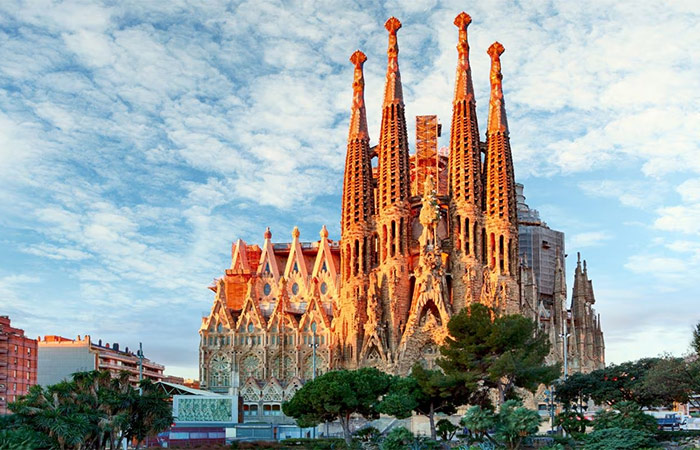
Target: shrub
<point>446,429</point>
<point>398,439</point>
<point>572,422</point>
<point>315,444</point>
<point>367,435</point>
<point>514,422</point>
<point>619,439</point>
<point>626,415</point>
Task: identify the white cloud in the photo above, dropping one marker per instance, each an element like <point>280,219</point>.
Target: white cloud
<point>138,139</point>
<point>587,239</point>
<point>657,265</point>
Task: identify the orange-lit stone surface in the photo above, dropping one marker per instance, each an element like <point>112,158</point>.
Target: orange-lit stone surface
<point>421,237</point>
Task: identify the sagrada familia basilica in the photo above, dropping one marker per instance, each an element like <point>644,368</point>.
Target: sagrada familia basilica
<point>422,236</point>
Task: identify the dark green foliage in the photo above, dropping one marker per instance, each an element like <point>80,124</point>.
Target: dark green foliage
<point>315,444</point>
<point>648,382</point>
<point>91,411</point>
<point>576,390</point>
<point>337,395</point>
<point>426,392</point>
<point>619,439</point>
<point>695,342</point>
<point>573,422</point>
<point>478,421</point>
<point>367,435</point>
<point>515,422</point>
<point>503,352</point>
<point>446,429</point>
<point>626,415</point>
<point>400,438</point>
<point>511,425</point>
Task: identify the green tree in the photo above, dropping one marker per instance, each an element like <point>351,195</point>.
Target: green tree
<point>338,395</point>
<point>575,390</point>
<point>446,429</point>
<point>149,412</point>
<point>478,421</point>
<point>427,392</point>
<point>499,352</point>
<point>399,438</point>
<point>511,425</point>
<point>91,411</point>
<point>626,415</point>
<point>573,422</point>
<point>695,341</point>
<point>514,423</point>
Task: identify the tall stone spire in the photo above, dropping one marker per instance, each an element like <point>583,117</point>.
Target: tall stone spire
<point>393,92</point>
<point>393,218</point>
<point>465,157</point>
<point>356,235</point>
<point>465,177</point>
<point>499,177</point>
<point>394,181</point>
<point>497,106</point>
<point>358,201</point>
<point>358,115</point>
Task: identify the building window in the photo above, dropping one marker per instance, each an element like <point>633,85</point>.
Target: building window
<point>295,288</point>
<point>272,410</point>
<point>267,289</point>
<point>250,409</point>
<point>250,328</point>
<point>324,286</point>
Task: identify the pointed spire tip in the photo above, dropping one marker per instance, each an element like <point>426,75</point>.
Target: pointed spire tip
<point>496,49</point>
<point>358,58</point>
<point>463,20</point>
<point>392,25</point>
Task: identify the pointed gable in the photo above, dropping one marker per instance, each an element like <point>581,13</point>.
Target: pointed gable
<point>314,311</point>
<point>219,313</point>
<point>239,258</point>
<point>268,261</point>
<point>296,261</point>
<point>278,316</point>
<point>324,258</point>
<point>251,310</point>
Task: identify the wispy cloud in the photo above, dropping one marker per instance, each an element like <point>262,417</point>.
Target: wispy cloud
<point>137,140</point>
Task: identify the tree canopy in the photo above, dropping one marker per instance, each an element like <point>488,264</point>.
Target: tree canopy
<point>499,352</point>
<point>92,411</point>
<point>338,395</point>
<point>649,382</point>
<point>426,392</point>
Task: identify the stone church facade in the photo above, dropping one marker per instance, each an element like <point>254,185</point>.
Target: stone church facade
<point>422,236</point>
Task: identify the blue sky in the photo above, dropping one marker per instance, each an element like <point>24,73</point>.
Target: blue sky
<point>139,139</point>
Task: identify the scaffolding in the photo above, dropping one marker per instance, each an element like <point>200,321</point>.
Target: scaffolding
<point>427,158</point>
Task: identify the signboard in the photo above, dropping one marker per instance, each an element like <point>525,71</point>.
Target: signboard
<point>204,410</point>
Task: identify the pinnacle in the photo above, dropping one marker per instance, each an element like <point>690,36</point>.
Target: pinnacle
<point>358,58</point>
<point>496,48</point>
<point>324,232</point>
<point>268,234</point>
<point>463,20</point>
<point>392,25</point>
<point>295,233</point>
<point>497,108</point>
